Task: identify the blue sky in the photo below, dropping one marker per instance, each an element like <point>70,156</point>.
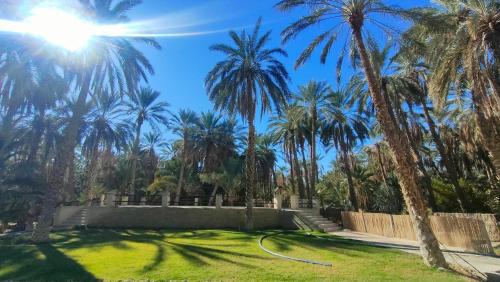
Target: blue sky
<point>184,61</point>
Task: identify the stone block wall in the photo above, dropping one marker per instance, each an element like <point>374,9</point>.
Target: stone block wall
<point>185,217</point>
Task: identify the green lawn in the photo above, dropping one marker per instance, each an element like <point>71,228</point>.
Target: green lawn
<point>204,255</point>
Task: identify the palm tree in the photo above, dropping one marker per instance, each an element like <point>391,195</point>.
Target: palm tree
<point>149,158</point>
<point>303,134</point>
<point>311,99</point>
<point>395,89</point>
<point>249,75</point>
<point>143,104</point>
<point>355,14</point>
<point>342,128</point>
<point>214,140</point>
<point>214,143</point>
<point>266,160</point>
<point>413,86</point>
<point>28,82</point>
<point>182,124</point>
<point>462,40</point>
<point>106,129</point>
<point>92,68</point>
<point>284,127</point>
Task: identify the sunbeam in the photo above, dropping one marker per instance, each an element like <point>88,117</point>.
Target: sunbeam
<point>72,32</point>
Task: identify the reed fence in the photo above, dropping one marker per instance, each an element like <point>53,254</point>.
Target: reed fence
<point>489,220</point>
<point>467,233</point>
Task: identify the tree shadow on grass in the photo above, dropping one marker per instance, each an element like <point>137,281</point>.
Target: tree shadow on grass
<point>198,255</point>
<point>340,246</point>
<point>159,258</point>
<point>97,238</point>
<point>201,255</point>
<point>56,266</point>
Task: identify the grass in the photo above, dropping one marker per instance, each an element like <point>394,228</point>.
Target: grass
<point>204,255</point>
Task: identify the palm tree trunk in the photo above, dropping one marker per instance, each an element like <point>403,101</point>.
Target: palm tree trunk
<point>135,156</point>
<point>292,169</point>
<point>90,175</point>
<point>181,173</point>
<point>35,142</point>
<point>314,165</point>
<point>425,180</point>
<point>212,196</point>
<point>306,172</point>
<point>405,165</point>
<point>450,166</point>
<point>383,172</point>
<point>69,191</point>
<point>250,170</point>
<point>348,171</point>
<point>298,172</point>
<point>56,179</point>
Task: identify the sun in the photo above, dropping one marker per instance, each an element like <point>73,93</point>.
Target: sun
<point>60,28</point>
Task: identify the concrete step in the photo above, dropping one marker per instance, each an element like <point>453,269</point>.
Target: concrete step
<point>332,229</point>
<point>328,225</point>
<point>315,218</point>
<point>322,222</point>
<point>78,219</point>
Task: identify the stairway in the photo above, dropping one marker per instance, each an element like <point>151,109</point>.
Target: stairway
<point>316,221</point>
<point>79,219</point>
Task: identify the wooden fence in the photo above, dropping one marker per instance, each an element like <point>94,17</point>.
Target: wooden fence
<point>489,220</point>
<point>466,233</point>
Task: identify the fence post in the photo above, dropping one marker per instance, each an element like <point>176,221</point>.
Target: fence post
<point>315,204</point>
<point>278,201</point>
<point>294,202</point>
<point>110,199</point>
<point>218,201</point>
<point>165,199</point>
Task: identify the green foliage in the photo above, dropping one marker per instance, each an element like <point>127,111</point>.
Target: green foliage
<point>480,198</point>
<point>163,183</point>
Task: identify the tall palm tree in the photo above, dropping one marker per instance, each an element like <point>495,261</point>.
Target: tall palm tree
<point>183,124</point>
<point>284,127</point>
<point>462,40</point>
<point>343,128</point>
<point>149,157</point>
<point>311,99</point>
<point>106,129</point>
<point>303,135</point>
<point>250,75</point>
<point>214,140</point>
<point>108,60</point>
<point>145,107</point>
<point>214,143</point>
<point>29,81</point>
<point>395,89</point>
<point>355,14</point>
<point>266,161</point>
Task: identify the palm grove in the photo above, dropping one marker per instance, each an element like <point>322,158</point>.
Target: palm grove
<point>414,130</point>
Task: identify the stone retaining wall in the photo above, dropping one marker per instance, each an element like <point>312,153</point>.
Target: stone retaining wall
<point>185,217</point>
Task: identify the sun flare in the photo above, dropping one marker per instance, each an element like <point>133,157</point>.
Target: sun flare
<point>60,28</point>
